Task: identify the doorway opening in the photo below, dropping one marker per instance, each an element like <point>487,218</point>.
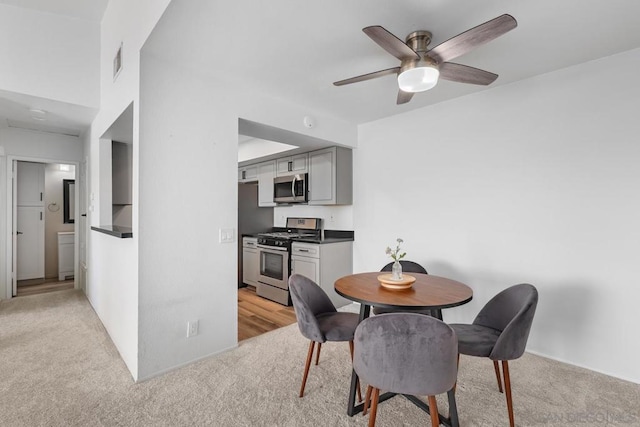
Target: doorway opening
<point>43,204</point>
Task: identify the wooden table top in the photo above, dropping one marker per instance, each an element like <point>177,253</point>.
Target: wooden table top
<point>427,292</point>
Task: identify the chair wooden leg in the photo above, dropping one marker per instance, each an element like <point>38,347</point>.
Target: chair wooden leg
<point>357,380</point>
<point>306,367</point>
<point>318,353</point>
<point>367,399</point>
<point>507,387</point>
<point>433,410</point>
<point>374,407</point>
<point>497,369</point>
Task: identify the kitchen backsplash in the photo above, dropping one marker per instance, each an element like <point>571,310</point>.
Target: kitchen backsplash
<point>334,217</point>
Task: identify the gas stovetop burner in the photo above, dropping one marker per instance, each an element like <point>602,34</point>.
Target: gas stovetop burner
<point>286,235</point>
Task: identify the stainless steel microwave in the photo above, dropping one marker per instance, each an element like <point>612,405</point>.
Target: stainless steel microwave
<point>290,189</point>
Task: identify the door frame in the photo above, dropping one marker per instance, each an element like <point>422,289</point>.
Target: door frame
<point>11,204</point>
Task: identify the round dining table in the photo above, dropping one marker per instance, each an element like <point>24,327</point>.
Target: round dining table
<point>427,292</point>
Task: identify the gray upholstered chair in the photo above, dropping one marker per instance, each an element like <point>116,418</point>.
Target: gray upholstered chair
<point>500,332</point>
<point>407,267</point>
<point>318,319</point>
<point>407,353</point>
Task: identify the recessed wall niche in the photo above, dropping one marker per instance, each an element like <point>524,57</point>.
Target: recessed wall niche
<point>116,176</point>
<point>121,183</point>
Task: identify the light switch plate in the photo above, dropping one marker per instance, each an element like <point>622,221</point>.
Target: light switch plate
<point>227,235</point>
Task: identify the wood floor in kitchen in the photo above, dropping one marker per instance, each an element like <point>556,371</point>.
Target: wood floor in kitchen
<point>257,315</point>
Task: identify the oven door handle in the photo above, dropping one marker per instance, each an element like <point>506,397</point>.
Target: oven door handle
<point>272,248</point>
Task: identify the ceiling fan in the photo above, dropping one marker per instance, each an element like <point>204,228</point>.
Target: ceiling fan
<point>420,68</point>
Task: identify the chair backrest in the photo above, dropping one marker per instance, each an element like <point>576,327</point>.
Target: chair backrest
<point>309,300</point>
<point>407,267</point>
<point>511,312</point>
<point>406,353</point>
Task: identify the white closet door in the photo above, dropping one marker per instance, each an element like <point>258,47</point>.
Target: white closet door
<point>30,242</point>
<point>30,184</point>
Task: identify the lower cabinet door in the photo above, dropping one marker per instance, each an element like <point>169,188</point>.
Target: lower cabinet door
<point>250,266</point>
<point>309,267</point>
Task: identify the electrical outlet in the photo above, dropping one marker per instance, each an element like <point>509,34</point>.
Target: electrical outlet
<point>192,328</point>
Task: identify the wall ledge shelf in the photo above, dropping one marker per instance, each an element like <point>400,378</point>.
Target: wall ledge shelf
<point>114,230</point>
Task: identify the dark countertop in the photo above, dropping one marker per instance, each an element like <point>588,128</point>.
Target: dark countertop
<point>114,230</point>
<point>327,240</point>
<point>330,236</point>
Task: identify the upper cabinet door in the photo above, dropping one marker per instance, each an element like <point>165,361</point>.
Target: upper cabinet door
<point>248,173</point>
<point>292,165</point>
<point>331,176</point>
<point>322,177</point>
<point>30,183</point>
<point>266,173</point>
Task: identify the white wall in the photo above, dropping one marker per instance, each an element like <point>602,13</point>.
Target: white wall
<point>334,217</point>
<point>33,145</point>
<point>536,181</point>
<point>188,191</point>
<point>112,274</point>
<point>61,61</point>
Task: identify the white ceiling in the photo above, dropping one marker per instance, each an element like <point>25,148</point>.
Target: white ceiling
<point>295,50</point>
<point>59,117</point>
<point>89,10</point>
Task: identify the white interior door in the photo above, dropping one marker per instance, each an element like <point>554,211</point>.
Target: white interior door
<point>14,227</point>
<point>30,243</point>
<point>82,226</point>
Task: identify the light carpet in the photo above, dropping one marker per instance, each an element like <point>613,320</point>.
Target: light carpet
<point>59,368</point>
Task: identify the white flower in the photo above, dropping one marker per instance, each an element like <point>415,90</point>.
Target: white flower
<point>395,253</point>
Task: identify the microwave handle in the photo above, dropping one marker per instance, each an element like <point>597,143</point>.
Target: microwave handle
<point>293,187</point>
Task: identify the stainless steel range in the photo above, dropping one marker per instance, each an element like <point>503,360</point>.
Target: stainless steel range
<point>275,257</point>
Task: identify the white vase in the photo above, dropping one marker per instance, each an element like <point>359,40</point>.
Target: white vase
<point>396,271</point>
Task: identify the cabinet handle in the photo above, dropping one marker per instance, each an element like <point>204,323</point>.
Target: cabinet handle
<point>41,196</point>
<point>303,250</point>
<point>40,216</point>
<point>19,232</point>
<point>244,174</point>
<point>290,166</point>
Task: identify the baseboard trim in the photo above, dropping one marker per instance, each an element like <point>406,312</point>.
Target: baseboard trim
<point>182,365</point>
<point>609,374</point>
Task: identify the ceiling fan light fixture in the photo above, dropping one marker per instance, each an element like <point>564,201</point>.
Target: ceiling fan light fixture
<point>418,79</point>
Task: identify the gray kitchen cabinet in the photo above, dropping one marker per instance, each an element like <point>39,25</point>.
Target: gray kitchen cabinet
<point>250,261</point>
<point>248,173</point>
<point>266,173</point>
<point>331,176</point>
<point>324,264</point>
<point>292,165</point>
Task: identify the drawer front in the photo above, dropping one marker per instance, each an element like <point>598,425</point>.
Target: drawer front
<point>301,249</point>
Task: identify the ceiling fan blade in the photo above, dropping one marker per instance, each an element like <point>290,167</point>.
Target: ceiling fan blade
<point>390,43</point>
<point>465,74</point>
<point>404,97</point>
<point>369,76</point>
<point>471,39</point>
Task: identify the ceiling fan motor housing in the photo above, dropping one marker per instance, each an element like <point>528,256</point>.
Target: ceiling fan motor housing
<point>418,41</point>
